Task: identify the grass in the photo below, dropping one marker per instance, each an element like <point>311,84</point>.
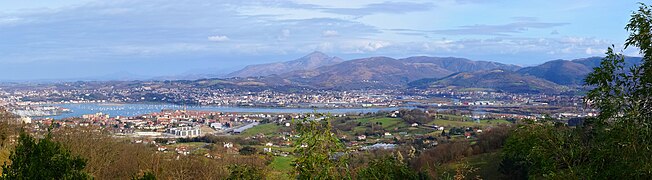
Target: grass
<point>451,117</point>
<point>281,167</point>
<point>281,163</point>
<point>495,121</point>
<point>266,129</point>
<point>188,144</point>
<point>482,123</point>
<point>282,148</point>
<point>449,123</point>
<point>386,122</point>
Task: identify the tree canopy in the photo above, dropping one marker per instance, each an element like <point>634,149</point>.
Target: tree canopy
<point>615,144</point>
<point>43,159</point>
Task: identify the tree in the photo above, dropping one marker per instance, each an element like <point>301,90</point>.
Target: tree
<point>320,155</point>
<point>623,130</point>
<point>43,159</point>
<point>248,150</point>
<point>615,144</point>
<point>244,172</point>
<point>415,116</point>
<point>388,168</point>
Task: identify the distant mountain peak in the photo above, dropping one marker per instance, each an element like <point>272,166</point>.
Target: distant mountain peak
<point>317,54</point>
<point>569,72</point>
<point>311,61</point>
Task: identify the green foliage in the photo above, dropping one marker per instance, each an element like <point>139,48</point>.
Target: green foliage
<point>543,150</point>
<point>245,172</point>
<point>388,168</point>
<point>623,130</point>
<point>320,155</point>
<point>615,144</point>
<point>415,116</point>
<point>248,150</point>
<point>43,159</point>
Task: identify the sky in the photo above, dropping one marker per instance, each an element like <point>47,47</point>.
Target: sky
<point>78,39</point>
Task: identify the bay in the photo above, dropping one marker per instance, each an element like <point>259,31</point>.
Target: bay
<point>129,110</point>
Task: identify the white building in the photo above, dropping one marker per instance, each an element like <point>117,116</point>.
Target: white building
<point>216,125</point>
<point>185,131</point>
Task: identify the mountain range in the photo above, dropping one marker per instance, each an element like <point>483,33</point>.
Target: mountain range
<point>571,72</point>
<point>318,70</point>
<point>497,79</point>
<point>310,61</point>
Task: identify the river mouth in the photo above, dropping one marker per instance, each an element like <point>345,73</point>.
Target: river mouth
<point>129,110</point>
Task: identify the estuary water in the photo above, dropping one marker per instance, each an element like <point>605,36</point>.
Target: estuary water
<point>128,110</point>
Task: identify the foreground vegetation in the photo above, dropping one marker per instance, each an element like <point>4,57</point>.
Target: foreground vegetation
<point>617,144</point>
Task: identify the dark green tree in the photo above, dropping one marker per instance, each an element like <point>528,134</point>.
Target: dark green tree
<point>388,168</point>
<point>622,133</point>
<point>43,159</point>
<point>248,150</point>
<point>617,144</point>
<point>245,172</point>
<point>320,154</point>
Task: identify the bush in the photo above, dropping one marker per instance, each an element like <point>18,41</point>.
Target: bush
<point>245,172</point>
<point>388,168</point>
<point>43,159</point>
<point>248,150</point>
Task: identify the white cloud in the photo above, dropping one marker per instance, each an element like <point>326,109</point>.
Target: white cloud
<point>285,33</point>
<point>218,38</point>
<point>374,45</point>
<point>9,20</point>
<point>329,33</point>
<point>591,51</point>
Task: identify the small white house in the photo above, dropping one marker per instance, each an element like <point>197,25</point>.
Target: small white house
<point>216,125</point>
<point>362,137</point>
<point>228,145</point>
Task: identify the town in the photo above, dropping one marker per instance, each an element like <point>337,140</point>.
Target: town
<point>443,113</point>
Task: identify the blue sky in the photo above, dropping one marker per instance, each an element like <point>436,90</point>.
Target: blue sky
<point>72,39</point>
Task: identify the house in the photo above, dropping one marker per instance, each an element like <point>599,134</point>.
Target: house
<point>228,145</point>
<point>162,148</point>
<point>185,131</point>
<point>362,137</point>
<point>216,125</point>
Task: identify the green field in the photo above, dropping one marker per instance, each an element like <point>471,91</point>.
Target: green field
<point>270,128</point>
<point>386,122</point>
<point>281,167</point>
<point>449,123</point>
<point>281,163</point>
<point>190,145</point>
<point>495,121</point>
<point>482,123</point>
<point>451,117</point>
